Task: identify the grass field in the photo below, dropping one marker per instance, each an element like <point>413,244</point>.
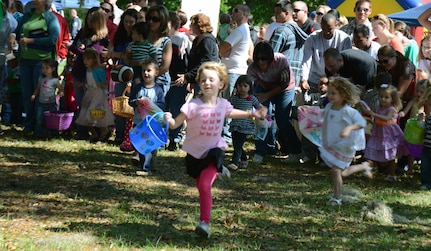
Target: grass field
<point>73,195</point>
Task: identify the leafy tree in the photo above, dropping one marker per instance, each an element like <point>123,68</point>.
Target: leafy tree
<point>262,10</point>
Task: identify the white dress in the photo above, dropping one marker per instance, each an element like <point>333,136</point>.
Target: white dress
<point>337,151</point>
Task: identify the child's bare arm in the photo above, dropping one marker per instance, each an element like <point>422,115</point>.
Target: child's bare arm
<point>36,92</point>
<point>240,114</point>
<point>386,117</point>
<point>348,129</point>
<point>407,108</point>
<point>174,123</point>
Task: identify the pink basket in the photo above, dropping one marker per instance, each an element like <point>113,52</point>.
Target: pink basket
<point>58,120</point>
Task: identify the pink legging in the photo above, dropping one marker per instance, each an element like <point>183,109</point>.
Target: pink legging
<point>204,184</point>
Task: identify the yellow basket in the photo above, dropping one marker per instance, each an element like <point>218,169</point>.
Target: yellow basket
<point>121,107</point>
<point>97,113</point>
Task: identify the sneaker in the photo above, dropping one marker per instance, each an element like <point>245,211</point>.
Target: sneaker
<point>232,166</point>
<point>257,159</point>
<point>135,159</point>
<point>143,173</point>
<point>203,230</point>
<point>391,178</point>
<point>243,164</point>
<point>335,202</point>
<point>293,158</point>
<point>304,160</point>
<point>225,173</point>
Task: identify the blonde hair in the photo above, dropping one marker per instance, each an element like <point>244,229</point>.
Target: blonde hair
<point>393,91</point>
<point>347,90</point>
<point>382,19</point>
<point>98,25</point>
<point>217,67</point>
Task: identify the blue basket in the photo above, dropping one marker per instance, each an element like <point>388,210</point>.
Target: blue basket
<point>148,135</point>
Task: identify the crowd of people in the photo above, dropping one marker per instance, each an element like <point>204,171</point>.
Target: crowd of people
<point>234,78</point>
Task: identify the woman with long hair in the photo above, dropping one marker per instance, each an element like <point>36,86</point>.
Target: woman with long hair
<point>94,34</point>
<point>383,29</point>
<point>122,38</point>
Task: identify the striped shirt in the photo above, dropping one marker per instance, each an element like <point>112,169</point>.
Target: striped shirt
<point>142,51</point>
<point>245,126</point>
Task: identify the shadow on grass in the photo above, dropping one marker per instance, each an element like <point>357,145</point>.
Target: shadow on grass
<point>264,207</point>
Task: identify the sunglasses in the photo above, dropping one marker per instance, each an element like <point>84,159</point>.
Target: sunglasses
<point>359,9</point>
<point>154,19</point>
<point>236,10</point>
<point>319,13</point>
<point>105,10</point>
<point>296,10</point>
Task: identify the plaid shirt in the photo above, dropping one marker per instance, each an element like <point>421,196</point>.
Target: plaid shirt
<point>288,39</point>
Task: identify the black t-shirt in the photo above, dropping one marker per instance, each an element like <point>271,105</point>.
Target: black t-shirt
<point>310,26</point>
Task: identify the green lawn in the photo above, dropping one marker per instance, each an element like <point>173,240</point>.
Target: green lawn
<point>73,195</point>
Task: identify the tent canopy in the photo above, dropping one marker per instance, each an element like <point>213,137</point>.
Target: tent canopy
<point>345,7</point>
<point>410,16</point>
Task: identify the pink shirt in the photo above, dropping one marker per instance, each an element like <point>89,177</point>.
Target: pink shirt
<point>204,126</point>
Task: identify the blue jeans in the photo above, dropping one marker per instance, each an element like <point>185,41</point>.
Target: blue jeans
<point>175,99</point>
<point>426,167</point>
<point>120,122</point>
<point>30,71</point>
<point>226,94</point>
<point>39,130</point>
<point>289,142</point>
<point>238,140</point>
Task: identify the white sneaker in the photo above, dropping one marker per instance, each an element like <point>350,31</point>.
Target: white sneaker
<point>232,166</point>
<point>225,173</point>
<point>202,229</point>
<point>304,160</point>
<point>257,159</point>
<point>293,158</point>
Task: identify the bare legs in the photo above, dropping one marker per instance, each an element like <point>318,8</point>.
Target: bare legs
<point>338,174</point>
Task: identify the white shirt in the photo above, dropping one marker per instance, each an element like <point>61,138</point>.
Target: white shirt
<point>240,40</point>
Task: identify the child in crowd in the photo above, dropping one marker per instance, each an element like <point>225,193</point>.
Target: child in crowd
<point>69,103</point>
<point>14,89</point>
<point>139,50</point>
<point>225,27</point>
<point>204,144</point>
<point>311,152</point>
<point>426,153</point>
<point>342,134</point>
<point>386,140</point>
<point>146,89</point>
<point>415,107</point>
<point>46,89</point>
<point>240,128</point>
<point>95,97</point>
<point>424,55</point>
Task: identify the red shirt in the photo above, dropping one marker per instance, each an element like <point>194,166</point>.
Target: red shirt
<point>63,37</point>
<point>112,28</point>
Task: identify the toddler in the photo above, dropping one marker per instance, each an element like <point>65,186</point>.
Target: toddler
<point>146,89</point>
<point>46,89</point>
<point>204,144</point>
<point>342,134</point>
<point>240,128</point>
<point>139,50</point>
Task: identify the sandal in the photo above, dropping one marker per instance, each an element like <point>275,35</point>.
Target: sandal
<point>335,202</point>
<point>368,170</point>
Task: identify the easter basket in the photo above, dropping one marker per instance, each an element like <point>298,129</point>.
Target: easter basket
<point>121,107</point>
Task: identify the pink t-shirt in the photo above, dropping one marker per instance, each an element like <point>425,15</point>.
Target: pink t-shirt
<point>204,126</point>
